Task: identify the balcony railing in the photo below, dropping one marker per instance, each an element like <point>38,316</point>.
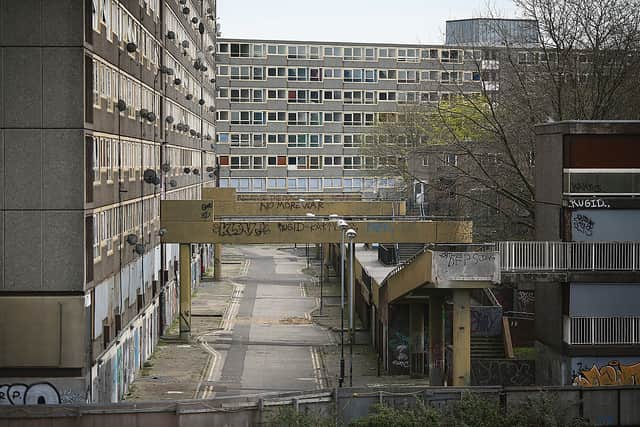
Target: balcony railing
<point>568,256</point>
<point>602,330</point>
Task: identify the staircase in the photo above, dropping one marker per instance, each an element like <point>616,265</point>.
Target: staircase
<point>487,347</point>
<point>408,250</point>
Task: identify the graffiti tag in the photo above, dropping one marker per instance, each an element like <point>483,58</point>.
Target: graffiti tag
<point>467,258</point>
<point>266,206</point>
<point>585,187</point>
<point>296,227</point>
<point>206,209</point>
<point>34,394</point>
<point>486,321</point>
<point>502,372</point>
<point>588,203</point>
<point>613,373</point>
<point>233,229</point>
<point>583,224</point>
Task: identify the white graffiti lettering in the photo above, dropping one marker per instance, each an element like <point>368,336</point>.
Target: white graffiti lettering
<point>34,394</point>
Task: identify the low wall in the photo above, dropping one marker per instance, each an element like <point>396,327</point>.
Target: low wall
<point>601,406</point>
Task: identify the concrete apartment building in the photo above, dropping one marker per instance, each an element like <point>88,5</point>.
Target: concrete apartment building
<point>588,257</point>
<point>107,108</point>
<point>292,115</point>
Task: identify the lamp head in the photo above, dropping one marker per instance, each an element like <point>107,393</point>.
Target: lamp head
<point>351,234</point>
<point>342,224</point>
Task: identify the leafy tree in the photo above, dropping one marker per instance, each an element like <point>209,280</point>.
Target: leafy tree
<point>583,68</point>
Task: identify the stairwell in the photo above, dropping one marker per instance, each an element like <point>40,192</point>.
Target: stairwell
<point>487,347</point>
<point>408,250</point>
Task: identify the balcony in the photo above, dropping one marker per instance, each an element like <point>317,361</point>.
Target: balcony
<point>623,330</point>
<point>536,257</point>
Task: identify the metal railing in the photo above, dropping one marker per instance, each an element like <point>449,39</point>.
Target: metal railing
<point>602,330</point>
<point>567,256</point>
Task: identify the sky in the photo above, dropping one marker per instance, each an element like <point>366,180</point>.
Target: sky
<point>376,21</point>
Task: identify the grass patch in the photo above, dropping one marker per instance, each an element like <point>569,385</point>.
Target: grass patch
<point>524,353</point>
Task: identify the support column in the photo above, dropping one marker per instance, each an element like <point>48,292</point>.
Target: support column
<point>461,337</point>
<point>436,339</point>
<point>416,339</point>
<point>185,291</point>
<point>217,261</point>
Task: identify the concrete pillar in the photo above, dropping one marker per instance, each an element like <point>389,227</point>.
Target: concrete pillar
<point>217,261</point>
<point>461,337</point>
<point>185,291</point>
<point>436,339</point>
<point>416,339</point>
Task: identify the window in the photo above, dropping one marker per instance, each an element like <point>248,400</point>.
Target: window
<point>276,72</point>
<point>276,116</point>
<point>240,95</point>
<point>450,159</point>
<point>332,161</point>
<point>240,73</point>
<point>240,117</point>
<point>273,49</point>
<point>223,92</point>
<point>352,184</point>
<point>315,74</point>
<point>333,183</point>
<point>258,51</point>
<point>333,139</point>
<point>450,77</point>
<point>258,73</point>
<point>276,94</point>
<point>222,138</point>
<point>387,53</point>
<point>408,55</point>
<point>352,162</point>
<point>297,74</point>
<point>332,95</point>
<point>276,183</point>
<point>315,162</point>
<point>450,55</point>
<point>240,139</point>
<point>408,76</point>
<point>353,119</point>
<point>297,118</point>
<point>387,96</point>
<point>296,184</point>
<point>278,138</point>
<point>240,162</point>
<point>239,50</point>
<point>425,160</point>
<point>333,117</point>
<point>297,52</point>
<point>258,162</point>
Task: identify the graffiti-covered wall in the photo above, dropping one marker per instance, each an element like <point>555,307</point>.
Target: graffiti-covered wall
<point>605,225</point>
<point>52,391</point>
<point>602,371</point>
<point>398,339</point>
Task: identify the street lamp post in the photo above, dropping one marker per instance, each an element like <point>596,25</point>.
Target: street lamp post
<point>342,224</point>
<point>351,234</point>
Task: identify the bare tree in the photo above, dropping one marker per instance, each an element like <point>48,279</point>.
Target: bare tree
<point>584,67</point>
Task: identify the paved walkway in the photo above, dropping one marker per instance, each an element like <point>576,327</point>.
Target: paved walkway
<point>260,330</point>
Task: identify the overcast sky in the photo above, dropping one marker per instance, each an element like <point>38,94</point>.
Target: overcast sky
<point>391,21</point>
